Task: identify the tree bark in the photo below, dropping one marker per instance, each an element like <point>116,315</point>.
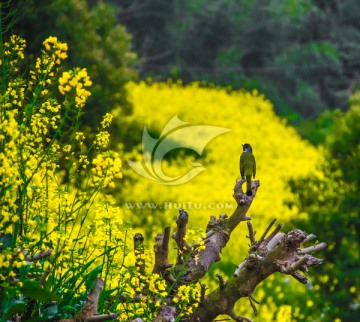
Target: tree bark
<point>273,252</point>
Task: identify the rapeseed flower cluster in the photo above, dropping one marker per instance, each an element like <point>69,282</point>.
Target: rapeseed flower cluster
<point>50,186</point>
<point>58,49</point>
<point>74,82</point>
<point>10,263</point>
<point>46,66</point>
<point>102,139</point>
<point>14,50</point>
<point>187,298</point>
<point>195,237</point>
<point>151,291</point>
<point>106,168</point>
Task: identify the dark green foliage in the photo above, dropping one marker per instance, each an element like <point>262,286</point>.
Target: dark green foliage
<point>301,54</point>
<point>318,129</point>
<point>333,206</point>
<point>33,290</point>
<point>16,307</point>
<point>96,42</point>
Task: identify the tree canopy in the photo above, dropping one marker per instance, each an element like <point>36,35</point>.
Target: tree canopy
<point>331,200</point>
<point>301,54</point>
<point>99,44</point>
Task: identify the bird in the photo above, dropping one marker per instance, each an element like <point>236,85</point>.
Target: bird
<point>247,166</point>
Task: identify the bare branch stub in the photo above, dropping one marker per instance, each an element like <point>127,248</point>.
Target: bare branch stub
<point>251,232</point>
<point>161,249</point>
<point>239,194</point>
<point>238,318</point>
<point>139,252</point>
<point>37,256</point>
<point>91,305</point>
<point>273,234</point>
<point>138,320</point>
<point>267,230</point>
<point>252,302</point>
<point>243,204</point>
<point>221,281</point>
<point>311,249</point>
<point>277,253</point>
<point>89,313</point>
<point>202,294</point>
<point>166,313</point>
<point>309,238</point>
<point>218,233</point>
<point>179,236</point>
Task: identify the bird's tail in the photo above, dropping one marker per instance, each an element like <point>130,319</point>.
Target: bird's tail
<point>248,186</point>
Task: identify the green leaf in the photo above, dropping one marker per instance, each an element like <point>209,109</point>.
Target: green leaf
<point>106,294</point>
<point>34,291</point>
<point>91,277</point>
<point>25,269</point>
<point>5,241</point>
<point>50,312</point>
<point>72,280</point>
<point>15,307</point>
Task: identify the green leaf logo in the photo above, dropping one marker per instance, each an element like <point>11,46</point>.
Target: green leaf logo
<point>176,134</point>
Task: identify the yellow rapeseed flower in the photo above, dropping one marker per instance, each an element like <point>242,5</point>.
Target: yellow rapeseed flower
<point>75,81</point>
<point>107,119</point>
<point>57,49</point>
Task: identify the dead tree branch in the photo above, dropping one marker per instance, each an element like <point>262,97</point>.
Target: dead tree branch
<point>90,313</point>
<point>280,254</point>
<point>273,252</point>
<point>179,236</point>
<point>161,250</point>
<point>139,252</point>
<point>218,234</point>
<point>37,256</point>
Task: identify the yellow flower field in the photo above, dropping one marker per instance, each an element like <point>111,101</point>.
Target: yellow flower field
<point>280,152</point>
<point>280,155</point>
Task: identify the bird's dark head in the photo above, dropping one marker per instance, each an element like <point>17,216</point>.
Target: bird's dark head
<point>247,147</point>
